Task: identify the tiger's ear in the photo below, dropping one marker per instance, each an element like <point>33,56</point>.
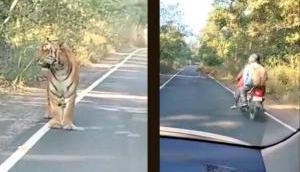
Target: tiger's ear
<point>48,40</point>
<point>61,44</point>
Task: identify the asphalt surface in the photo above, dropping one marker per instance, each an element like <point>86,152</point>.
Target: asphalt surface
<point>24,109</point>
<point>195,102</point>
<point>114,118</point>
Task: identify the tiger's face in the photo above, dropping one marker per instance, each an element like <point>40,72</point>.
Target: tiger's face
<point>51,56</point>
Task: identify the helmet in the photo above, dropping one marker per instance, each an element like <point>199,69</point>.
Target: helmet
<point>254,58</point>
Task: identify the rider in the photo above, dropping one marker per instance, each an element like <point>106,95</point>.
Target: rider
<point>253,74</point>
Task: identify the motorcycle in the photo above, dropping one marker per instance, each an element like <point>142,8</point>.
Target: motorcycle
<point>254,102</point>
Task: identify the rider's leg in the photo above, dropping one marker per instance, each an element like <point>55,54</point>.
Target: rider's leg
<point>244,94</point>
<point>237,95</point>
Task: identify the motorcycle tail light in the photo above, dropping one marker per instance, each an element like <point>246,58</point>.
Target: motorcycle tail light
<point>258,92</point>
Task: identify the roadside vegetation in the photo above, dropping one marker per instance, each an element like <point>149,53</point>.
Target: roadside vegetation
<point>235,29</point>
<point>174,51</point>
<point>93,28</point>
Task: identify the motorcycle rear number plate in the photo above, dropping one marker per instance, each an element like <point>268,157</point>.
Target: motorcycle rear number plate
<point>255,98</point>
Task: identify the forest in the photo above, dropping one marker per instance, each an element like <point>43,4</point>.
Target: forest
<point>92,28</point>
<point>234,30</point>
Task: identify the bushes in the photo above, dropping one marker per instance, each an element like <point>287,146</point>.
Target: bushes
<point>93,29</point>
<point>284,76</point>
<point>211,60</point>
<point>20,66</point>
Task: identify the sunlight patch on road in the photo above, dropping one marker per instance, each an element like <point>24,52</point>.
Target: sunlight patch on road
<point>136,55</point>
<point>135,58</point>
<point>71,158</point>
<point>122,132</point>
<point>223,124</point>
<point>31,103</point>
<point>283,107</point>
<point>127,133</point>
<point>128,70</point>
<point>185,117</point>
<point>112,109</point>
<point>93,128</point>
<point>111,95</point>
<point>133,135</point>
<point>134,66</point>
<point>138,63</point>
<point>124,77</point>
<point>115,108</point>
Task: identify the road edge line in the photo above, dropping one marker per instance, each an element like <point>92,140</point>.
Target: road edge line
<point>24,148</point>
<point>165,83</point>
<point>265,112</point>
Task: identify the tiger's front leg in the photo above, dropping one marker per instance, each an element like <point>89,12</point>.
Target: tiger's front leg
<point>55,112</point>
<point>50,106</point>
<point>51,110</point>
<point>68,117</point>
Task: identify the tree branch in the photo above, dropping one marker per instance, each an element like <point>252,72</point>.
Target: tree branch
<point>13,5</point>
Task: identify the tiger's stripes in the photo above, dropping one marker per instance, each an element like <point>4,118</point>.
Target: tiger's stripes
<point>63,79</point>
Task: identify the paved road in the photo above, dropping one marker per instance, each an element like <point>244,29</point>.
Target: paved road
<point>196,102</point>
<point>114,116</point>
<point>29,106</point>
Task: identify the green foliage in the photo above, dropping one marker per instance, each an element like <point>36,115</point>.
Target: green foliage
<point>92,27</point>
<point>237,28</point>
<point>174,50</point>
<point>208,56</point>
<point>173,47</point>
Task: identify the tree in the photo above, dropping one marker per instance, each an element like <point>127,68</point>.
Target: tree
<point>92,27</point>
<point>173,48</point>
<point>237,28</point>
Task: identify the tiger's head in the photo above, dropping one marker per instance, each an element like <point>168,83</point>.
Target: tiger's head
<point>52,55</point>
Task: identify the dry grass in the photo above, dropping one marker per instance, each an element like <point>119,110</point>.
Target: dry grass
<point>284,82</point>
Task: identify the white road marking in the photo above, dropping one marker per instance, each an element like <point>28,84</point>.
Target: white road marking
<point>162,86</point>
<point>268,114</point>
<point>23,149</point>
<point>123,54</point>
<point>182,76</point>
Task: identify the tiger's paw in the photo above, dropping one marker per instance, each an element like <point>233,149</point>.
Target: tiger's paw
<point>72,127</point>
<point>54,124</point>
<point>69,126</point>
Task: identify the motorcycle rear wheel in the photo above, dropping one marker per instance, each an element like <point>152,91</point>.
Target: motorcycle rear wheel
<point>254,109</point>
<point>253,112</point>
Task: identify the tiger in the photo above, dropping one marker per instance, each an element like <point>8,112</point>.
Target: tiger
<point>62,82</point>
